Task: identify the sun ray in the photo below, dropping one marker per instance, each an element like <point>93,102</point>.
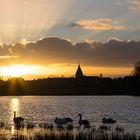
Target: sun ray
<point>28,19</point>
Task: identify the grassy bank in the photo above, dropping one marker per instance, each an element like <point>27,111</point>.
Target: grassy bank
<point>101,133</point>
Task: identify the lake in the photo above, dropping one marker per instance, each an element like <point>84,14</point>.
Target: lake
<point>38,109</point>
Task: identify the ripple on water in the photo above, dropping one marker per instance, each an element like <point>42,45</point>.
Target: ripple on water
<point>125,109</point>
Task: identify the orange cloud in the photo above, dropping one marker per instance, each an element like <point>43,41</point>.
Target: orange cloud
<point>100,24</point>
<point>134,5</point>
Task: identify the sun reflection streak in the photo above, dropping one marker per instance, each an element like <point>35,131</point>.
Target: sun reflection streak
<point>14,105</point>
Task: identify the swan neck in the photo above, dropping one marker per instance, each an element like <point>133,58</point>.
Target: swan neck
<point>80,118</point>
<point>14,115</point>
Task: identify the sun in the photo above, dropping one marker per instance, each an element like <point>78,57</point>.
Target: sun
<point>23,70</point>
<point>16,70</point>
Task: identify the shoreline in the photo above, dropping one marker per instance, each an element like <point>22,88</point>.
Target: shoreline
<point>85,86</point>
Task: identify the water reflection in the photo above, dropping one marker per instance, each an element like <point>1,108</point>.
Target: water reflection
<point>12,129</point>
<point>38,109</point>
<point>14,106</point>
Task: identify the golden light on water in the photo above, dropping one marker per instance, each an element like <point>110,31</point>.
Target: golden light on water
<point>14,105</point>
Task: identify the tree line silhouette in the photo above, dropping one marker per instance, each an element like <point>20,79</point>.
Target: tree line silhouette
<point>94,85</point>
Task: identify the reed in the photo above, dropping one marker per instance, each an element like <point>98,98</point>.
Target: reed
<point>75,134</point>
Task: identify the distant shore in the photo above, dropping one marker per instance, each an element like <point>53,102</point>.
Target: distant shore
<point>129,85</point>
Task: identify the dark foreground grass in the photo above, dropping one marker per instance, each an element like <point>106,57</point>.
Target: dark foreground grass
<point>84,134</point>
<point>87,136</point>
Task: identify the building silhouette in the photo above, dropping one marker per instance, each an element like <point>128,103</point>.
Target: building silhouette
<point>79,73</point>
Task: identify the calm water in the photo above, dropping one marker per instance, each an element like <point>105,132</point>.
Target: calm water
<point>125,109</point>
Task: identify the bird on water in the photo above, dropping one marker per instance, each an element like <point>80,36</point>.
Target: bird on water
<point>17,120</point>
<point>62,121</point>
<point>86,123</point>
<point>108,120</point>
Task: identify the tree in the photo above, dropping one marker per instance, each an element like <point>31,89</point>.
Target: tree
<point>137,69</point>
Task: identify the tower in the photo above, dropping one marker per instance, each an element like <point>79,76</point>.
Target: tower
<point>79,73</point>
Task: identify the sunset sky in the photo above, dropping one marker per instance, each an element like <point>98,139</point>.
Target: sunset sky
<point>51,37</point>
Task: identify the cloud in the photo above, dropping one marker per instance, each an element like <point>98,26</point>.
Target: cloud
<point>118,3</point>
<point>134,5</point>
<point>100,24</point>
<point>53,50</point>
